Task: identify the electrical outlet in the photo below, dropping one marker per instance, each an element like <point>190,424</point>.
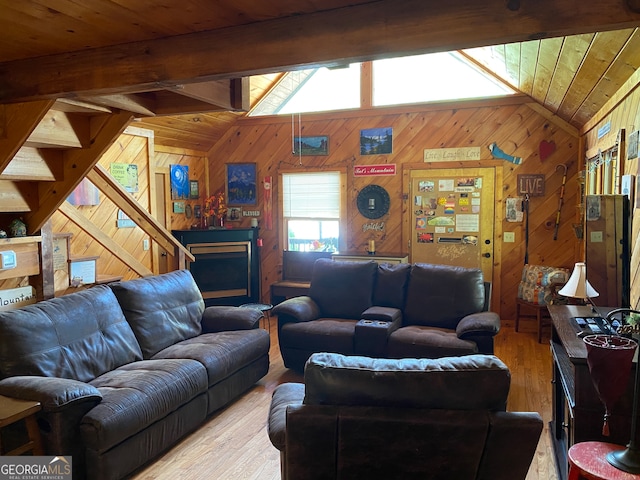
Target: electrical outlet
<point>145,244</point>
<point>509,237</point>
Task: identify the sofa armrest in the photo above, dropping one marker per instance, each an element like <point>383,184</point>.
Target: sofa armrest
<point>373,330</point>
<point>64,403</point>
<point>223,318</point>
<point>297,309</point>
<point>478,324</point>
<point>53,393</point>
<point>283,396</point>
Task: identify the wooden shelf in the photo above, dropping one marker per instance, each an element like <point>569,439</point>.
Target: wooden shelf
<point>20,240</point>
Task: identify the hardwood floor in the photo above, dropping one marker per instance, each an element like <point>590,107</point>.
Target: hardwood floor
<point>233,444</point>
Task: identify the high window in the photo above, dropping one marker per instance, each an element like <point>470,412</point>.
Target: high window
<point>311,207</point>
<point>396,81</point>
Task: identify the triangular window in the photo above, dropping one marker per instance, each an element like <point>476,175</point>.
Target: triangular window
<point>396,81</point>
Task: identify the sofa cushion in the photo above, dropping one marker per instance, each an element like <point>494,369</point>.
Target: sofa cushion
<point>78,336</point>
<point>135,396</point>
<point>391,285</point>
<point>342,289</point>
<point>427,342</point>
<point>222,354</point>
<point>440,295</point>
<point>456,383</point>
<point>322,335</point>
<point>162,310</point>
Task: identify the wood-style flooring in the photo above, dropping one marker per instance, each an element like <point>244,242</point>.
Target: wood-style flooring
<point>233,444</point>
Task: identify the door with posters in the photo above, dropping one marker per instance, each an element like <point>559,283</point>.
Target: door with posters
<point>451,217</point>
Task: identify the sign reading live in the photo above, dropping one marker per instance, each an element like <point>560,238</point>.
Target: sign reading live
<point>374,170</point>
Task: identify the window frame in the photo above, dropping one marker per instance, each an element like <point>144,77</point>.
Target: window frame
<point>342,220</point>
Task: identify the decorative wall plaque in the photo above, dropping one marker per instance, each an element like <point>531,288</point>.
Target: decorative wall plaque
<point>531,184</point>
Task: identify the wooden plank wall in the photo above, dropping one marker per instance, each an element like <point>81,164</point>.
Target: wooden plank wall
<point>517,128</point>
<point>198,169</point>
<point>128,149</point>
<point>623,112</point>
<point>136,147</point>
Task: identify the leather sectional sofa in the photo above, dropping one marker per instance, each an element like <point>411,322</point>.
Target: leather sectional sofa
<point>384,310</point>
<point>361,418</point>
<point>124,371</point>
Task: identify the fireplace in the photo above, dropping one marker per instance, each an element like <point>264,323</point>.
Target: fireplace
<point>226,266</point>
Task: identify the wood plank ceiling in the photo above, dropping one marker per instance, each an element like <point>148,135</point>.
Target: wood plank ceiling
<point>177,60</point>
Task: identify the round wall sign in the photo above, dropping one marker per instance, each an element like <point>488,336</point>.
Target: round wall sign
<point>373,201</point>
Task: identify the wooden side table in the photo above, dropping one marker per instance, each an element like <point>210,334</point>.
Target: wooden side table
<point>13,410</point>
<point>265,308</point>
<point>588,461</point>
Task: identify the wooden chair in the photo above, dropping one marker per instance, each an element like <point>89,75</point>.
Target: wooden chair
<point>541,313</point>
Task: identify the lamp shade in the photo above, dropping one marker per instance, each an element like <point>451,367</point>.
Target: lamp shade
<point>578,286</point>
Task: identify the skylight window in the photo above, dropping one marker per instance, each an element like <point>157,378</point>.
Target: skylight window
<point>430,78</point>
<point>313,90</point>
<point>396,81</point>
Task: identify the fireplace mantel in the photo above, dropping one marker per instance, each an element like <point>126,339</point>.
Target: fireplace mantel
<point>227,265</point>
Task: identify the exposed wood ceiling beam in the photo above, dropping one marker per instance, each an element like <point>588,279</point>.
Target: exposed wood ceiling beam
<point>357,33</point>
<point>139,104</point>
<point>228,94</point>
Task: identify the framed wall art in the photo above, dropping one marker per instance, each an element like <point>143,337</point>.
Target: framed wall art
<point>179,181</point>
<point>234,214</point>
<point>318,145</point>
<point>194,189</point>
<point>241,184</point>
<point>376,141</point>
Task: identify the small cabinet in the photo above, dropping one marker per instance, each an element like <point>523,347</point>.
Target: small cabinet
<point>577,412</point>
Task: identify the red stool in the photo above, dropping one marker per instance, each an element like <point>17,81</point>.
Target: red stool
<point>588,461</point>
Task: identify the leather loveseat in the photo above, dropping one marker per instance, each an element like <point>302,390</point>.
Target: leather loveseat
<point>361,418</point>
<point>124,371</point>
<point>384,310</point>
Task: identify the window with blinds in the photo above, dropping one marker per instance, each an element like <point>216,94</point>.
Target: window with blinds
<point>311,210</point>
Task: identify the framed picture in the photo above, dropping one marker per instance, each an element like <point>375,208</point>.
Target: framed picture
<point>234,214</point>
<point>376,141</point>
<point>241,184</point>
<point>318,145</point>
<point>179,181</point>
<point>194,190</point>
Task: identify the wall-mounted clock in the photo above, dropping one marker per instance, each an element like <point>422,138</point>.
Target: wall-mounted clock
<point>373,201</point>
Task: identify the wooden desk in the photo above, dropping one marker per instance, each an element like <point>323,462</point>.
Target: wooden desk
<point>577,412</point>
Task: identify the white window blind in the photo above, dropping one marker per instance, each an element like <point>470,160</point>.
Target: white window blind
<point>311,195</point>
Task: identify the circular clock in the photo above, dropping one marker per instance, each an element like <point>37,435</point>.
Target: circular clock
<point>373,201</point>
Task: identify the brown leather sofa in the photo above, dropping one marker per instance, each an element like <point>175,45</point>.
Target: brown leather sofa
<point>384,310</point>
<point>126,370</point>
<point>362,418</point>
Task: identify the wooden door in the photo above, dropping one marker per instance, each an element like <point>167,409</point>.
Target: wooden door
<point>451,217</point>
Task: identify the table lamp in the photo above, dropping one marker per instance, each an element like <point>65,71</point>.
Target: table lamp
<point>578,286</point>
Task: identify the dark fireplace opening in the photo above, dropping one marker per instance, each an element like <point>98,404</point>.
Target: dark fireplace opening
<point>222,269</point>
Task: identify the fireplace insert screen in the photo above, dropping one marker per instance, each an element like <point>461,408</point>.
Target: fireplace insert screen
<point>222,269</point>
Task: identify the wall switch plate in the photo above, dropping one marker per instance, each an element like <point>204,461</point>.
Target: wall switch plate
<point>8,260</point>
<point>145,244</point>
<point>509,237</point>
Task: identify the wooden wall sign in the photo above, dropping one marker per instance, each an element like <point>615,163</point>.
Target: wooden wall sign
<point>532,184</point>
